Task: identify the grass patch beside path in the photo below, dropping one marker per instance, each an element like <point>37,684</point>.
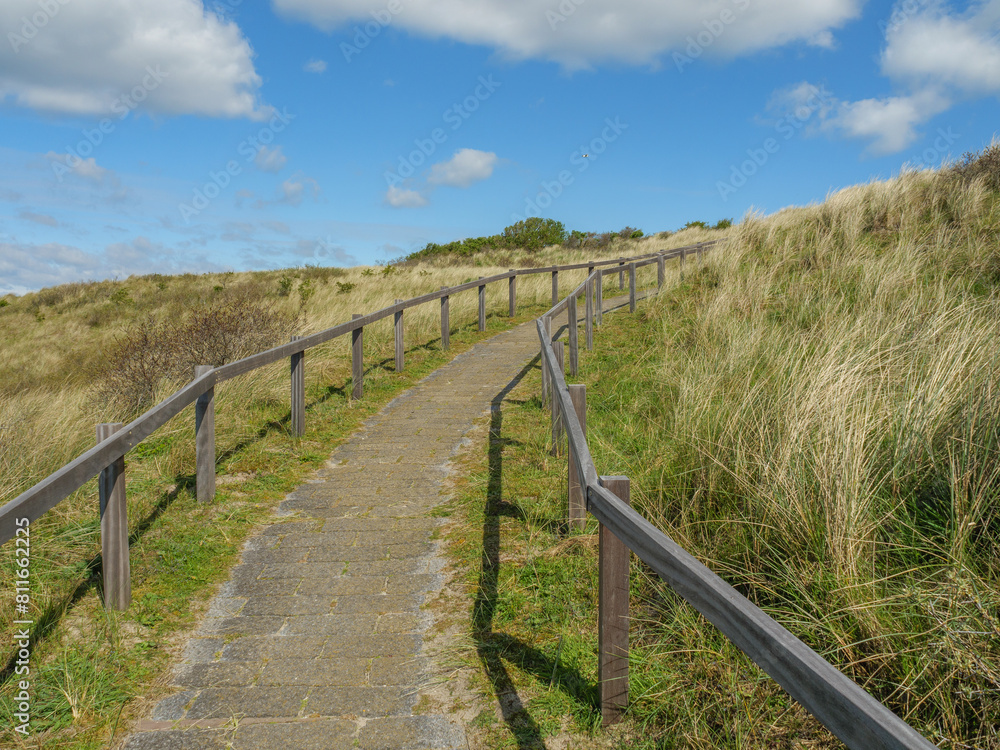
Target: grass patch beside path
<point>813,415</point>
<point>533,591</point>
<point>93,672</point>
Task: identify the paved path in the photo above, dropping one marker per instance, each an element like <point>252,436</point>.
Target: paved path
<point>316,640</point>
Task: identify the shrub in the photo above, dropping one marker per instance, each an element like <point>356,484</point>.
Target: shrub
<point>534,233</point>
<point>120,296</point>
<point>150,354</point>
<point>343,287</point>
<point>723,224</point>
<point>699,224</point>
<point>306,290</point>
<point>285,284</point>
<point>984,166</point>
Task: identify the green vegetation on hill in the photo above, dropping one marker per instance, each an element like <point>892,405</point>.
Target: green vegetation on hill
<point>814,415</point>
<point>532,234</point>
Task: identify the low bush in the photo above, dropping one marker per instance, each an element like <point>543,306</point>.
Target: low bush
<point>151,354</point>
<point>983,166</point>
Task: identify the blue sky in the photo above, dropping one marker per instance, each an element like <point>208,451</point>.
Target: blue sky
<point>144,136</point>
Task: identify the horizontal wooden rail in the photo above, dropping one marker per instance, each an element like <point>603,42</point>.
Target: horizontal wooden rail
<point>843,707</point>
<point>32,503</point>
<point>46,494</point>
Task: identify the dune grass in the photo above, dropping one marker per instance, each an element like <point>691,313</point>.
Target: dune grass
<point>94,672</point>
<point>814,415</point>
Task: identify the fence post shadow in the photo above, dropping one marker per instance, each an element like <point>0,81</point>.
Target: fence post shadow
<point>494,647</point>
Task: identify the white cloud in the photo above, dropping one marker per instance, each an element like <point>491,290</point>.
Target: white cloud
<point>314,66</point>
<point>935,58</point>
<point>464,168</point>
<point>890,123</point>
<point>940,50</point>
<point>403,198</point>
<point>630,31</point>
<point>270,159</point>
<point>26,266</point>
<point>90,56</point>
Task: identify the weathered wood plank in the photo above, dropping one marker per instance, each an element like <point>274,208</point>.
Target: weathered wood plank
<point>547,322</point>
<point>589,314</point>
<point>561,400</point>
<point>445,323</point>
<point>482,306</point>
<point>574,337</point>
<point>613,615</point>
<point>35,501</point>
<point>357,361</point>
<point>576,504</point>
<point>599,301</point>
<point>631,287</point>
<point>398,334</point>
<point>114,528</point>
<point>204,440</point>
<point>555,287</point>
<point>848,711</point>
<point>512,294</point>
<point>298,394</point>
<point>558,349</point>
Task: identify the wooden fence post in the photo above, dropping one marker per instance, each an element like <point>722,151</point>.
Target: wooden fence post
<point>546,382</point>
<point>445,323</point>
<point>512,293</point>
<point>398,323</point>
<point>621,275</point>
<point>204,440</point>
<point>576,503</point>
<point>114,527</point>
<point>555,287</point>
<point>558,348</point>
<point>613,615</point>
<point>660,272</point>
<point>589,325</point>
<point>683,253</point>
<point>631,287</point>
<point>482,306</point>
<point>357,359</point>
<point>298,401</point>
<point>599,302</point>
<point>574,338</point>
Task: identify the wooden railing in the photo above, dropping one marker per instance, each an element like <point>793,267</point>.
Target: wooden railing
<point>847,710</point>
<point>115,440</point>
<point>841,705</point>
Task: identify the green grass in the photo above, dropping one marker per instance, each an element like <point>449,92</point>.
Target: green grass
<point>814,416</point>
<point>534,601</point>
<point>95,672</point>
